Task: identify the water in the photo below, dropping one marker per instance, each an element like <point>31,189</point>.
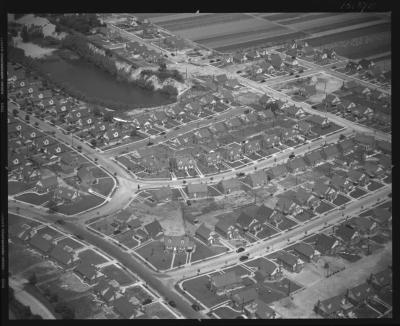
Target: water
<point>94,82</point>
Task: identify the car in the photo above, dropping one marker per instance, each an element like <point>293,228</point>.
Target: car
<point>244,257</point>
<point>165,55</point>
<point>172,303</point>
<point>241,249</point>
<point>239,72</point>
<point>297,76</point>
<point>292,156</point>
<point>291,73</point>
<point>240,174</point>
<point>196,307</point>
<point>162,133</point>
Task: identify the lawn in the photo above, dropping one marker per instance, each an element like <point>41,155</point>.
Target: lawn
<point>199,288</point>
<point>35,199</point>
<point>50,231</point>
<point>323,207</point>
<point>139,292</point>
<point>70,243</point>
<point>13,219</point>
<point>340,200</point>
<point>304,216</point>
<point>283,286</point>
<point>82,204</point>
<point>240,270</point>
<point>126,238</point>
<point>91,257</point>
<point>15,187</point>
<point>202,251</point>
<point>180,259</point>
<point>226,313</point>
<point>104,186</point>
<point>269,295</point>
<point>157,309</point>
<point>98,173</point>
<point>154,253</point>
<point>286,223</point>
<point>116,273</point>
<point>85,306</point>
<point>374,185</point>
<point>357,192</point>
<point>266,232</point>
<point>20,258</point>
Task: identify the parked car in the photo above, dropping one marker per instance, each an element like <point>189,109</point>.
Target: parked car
<point>244,257</point>
<point>196,307</point>
<point>172,303</point>
<point>241,249</point>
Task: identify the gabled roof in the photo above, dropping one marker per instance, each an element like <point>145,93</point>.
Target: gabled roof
<point>296,163</point>
<point>384,278</point>
<point>125,308</point>
<point>263,213</point>
<point>203,231</point>
<point>360,292</point>
<point>244,219</point>
<point>338,180</point>
<point>153,228</point>
<point>61,255</point>
<point>304,249</point>
<point>287,258</point>
<point>266,265</point>
<point>40,243</point>
<point>330,151</point>
<point>229,183</point>
<point>331,305</point>
<point>86,269</point>
<point>283,204</point>
<point>345,232</point>
<point>324,242</point>
<point>313,157</point>
<point>361,222</point>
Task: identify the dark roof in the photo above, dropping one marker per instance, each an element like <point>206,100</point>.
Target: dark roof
<point>304,249</point>
<point>61,255</point>
<point>86,269</point>
<point>331,305</point>
<point>203,231</point>
<point>245,296</point>
<point>324,243</point>
<point>153,228</point>
<point>313,157</point>
<point>40,243</point>
<point>266,265</point>
<point>124,307</point>
<point>360,292</point>
<point>345,232</point>
<point>244,219</point>
<point>263,213</point>
<point>287,258</point>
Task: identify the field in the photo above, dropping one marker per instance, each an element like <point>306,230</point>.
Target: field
<point>332,26</point>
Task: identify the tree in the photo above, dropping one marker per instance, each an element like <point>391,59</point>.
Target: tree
<point>108,116</point>
<point>93,142</point>
<point>15,112</point>
<point>96,111</point>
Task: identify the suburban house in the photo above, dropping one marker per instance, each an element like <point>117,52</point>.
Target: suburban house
<point>48,181</point>
<point>287,206</point>
<point>381,279</point>
<point>277,171</point>
<point>306,252</point>
<point>318,120</point>
<point>360,293</point>
<point>296,164</point>
<point>357,177</point>
<point>326,245</point>
<point>63,257</point>
<point>290,261</point>
<point>124,308</point>
<point>88,272</point>
<point>256,179</point>
<point>329,152</point>
<point>340,183</point>
<point>65,194</point>
<point>232,152</point>
<point>269,141</point>
<point>178,243</point>
<point>305,199</point>
<point>227,228</point>
<point>373,170</point>
<point>346,146</point>
<point>223,283</point>
<point>244,221</point>
<point>313,158</point>
<point>197,190</point>
<point>295,112</point>
<point>303,127</point>
<point>323,191</point>
<point>211,157</point>
<point>263,214</point>
<point>363,225</point>
<point>333,307</point>
<point>153,229</point>
<point>276,61</point>
<point>258,309</point>
<point>41,243</point>
<point>205,234</point>
<point>244,297</point>
<point>347,234</point>
<point>365,141</point>
<point>228,186</point>
<point>184,161</point>
<point>107,290</point>
<point>266,270</point>
<point>382,216</point>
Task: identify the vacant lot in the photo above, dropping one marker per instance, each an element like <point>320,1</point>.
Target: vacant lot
<point>323,207</point>
<point>357,192</point>
<point>340,200</point>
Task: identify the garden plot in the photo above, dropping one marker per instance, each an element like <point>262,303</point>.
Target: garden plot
<point>373,185</point>
<point>323,207</point>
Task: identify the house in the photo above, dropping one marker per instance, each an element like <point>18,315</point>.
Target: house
<point>381,279</point>
<point>295,112</point>
<point>85,175</point>
<point>41,243</point>
<point>296,164</point>
<point>346,146</point>
<point>251,145</point>
<point>364,64</point>
<point>263,214</point>
<point>205,234</point>
<point>363,224</point>
<point>319,121</point>
<point>305,198</point>
<point>313,158</point>
<point>197,190</point>
<point>373,170</point>
<point>232,152</point>
<point>244,297</point>
<point>178,243</point>
<point>347,234</point>
<point>222,283</point>
<point>276,61</point>
<point>183,161</point>
<point>228,186</point>
<point>153,229</point>
<point>266,270</point>
<point>323,191</point>
<point>112,135</point>
<point>384,146</point>
<point>382,216</point>
<point>330,53</point>
<point>333,307</point>
<point>21,231</point>
<point>331,99</point>
<point>258,309</point>
<point>232,84</point>
<point>357,177</point>
<point>303,127</point>
<point>329,152</point>
<point>367,142</point>
<point>340,183</point>
<point>65,194</point>
<point>88,272</point>
<point>290,261</point>
<point>244,221</point>
<point>256,179</point>
<point>326,245</point>
<point>268,141</point>
<point>227,229</point>
<point>360,293</point>
<point>252,55</point>
<point>306,252</point>
<point>124,308</point>
<point>48,181</point>
<point>286,206</point>
<point>277,171</point>
<point>65,258</point>
<point>107,290</point>
<point>239,58</point>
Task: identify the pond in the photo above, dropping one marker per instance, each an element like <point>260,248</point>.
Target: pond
<point>94,82</point>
